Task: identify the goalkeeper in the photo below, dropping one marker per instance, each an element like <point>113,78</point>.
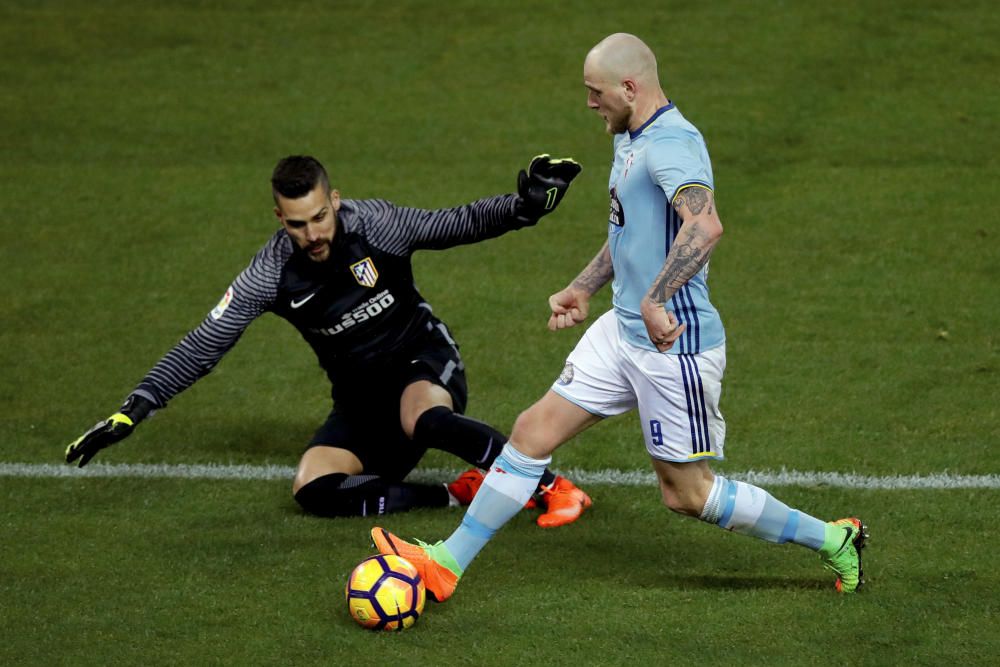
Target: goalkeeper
<point>339,270</point>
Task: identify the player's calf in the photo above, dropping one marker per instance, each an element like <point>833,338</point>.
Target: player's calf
<point>685,487</point>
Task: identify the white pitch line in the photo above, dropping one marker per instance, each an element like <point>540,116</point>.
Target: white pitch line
<point>764,478</point>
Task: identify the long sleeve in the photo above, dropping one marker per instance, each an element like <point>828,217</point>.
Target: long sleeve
<point>250,295</point>
<point>401,230</point>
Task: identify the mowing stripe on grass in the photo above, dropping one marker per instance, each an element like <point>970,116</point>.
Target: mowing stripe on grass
<point>610,477</point>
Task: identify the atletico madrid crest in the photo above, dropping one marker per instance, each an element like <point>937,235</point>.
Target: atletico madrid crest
<point>364,272</point>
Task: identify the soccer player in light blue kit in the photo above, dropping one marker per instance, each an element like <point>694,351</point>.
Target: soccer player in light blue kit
<point>661,349</point>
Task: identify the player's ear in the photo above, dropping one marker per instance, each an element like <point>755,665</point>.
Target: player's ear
<point>277,212</point>
<point>335,199</point>
<point>629,88</point>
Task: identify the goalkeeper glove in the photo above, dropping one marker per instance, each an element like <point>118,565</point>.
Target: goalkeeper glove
<point>111,430</point>
<point>542,186</point>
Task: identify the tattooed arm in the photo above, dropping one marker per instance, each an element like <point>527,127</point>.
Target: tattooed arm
<point>700,231</point>
<point>571,305</point>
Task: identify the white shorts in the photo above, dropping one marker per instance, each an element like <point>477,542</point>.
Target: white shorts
<point>677,394</point>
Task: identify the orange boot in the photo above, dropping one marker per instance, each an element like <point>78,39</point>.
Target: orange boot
<point>563,503</point>
<point>466,485</point>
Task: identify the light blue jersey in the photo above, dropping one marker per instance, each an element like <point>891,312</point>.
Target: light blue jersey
<point>653,164</point>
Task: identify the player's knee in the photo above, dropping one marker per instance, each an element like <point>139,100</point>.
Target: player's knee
<point>323,460</point>
<point>418,399</point>
<point>428,426</point>
<point>323,497</point>
<point>307,471</point>
<point>532,435</point>
<point>408,420</point>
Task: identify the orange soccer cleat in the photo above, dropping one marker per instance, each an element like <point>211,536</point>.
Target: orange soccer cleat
<point>435,564</point>
<point>466,485</point>
<point>563,503</point>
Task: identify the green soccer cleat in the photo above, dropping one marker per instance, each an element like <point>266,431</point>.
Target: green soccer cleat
<point>846,561</point>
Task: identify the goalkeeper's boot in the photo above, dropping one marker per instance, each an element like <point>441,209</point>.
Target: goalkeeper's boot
<point>846,561</point>
<point>563,503</point>
<point>466,485</point>
<point>437,567</point>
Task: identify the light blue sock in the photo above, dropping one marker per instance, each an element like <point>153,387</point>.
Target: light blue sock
<point>745,508</point>
<point>508,486</point>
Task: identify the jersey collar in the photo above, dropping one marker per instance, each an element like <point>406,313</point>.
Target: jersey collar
<point>633,134</point>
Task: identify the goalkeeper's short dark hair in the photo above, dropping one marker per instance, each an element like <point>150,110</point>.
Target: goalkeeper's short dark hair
<point>296,175</point>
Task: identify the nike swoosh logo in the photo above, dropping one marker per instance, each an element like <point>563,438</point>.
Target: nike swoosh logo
<point>385,536</point>
<point>302,301</point>
<point>846,539</point>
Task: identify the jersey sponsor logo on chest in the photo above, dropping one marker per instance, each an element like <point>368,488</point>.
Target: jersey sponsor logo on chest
<point>616,216</point>
<point>364,272</point>
<point>363,312</point>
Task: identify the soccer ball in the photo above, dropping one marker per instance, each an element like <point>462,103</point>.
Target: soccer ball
<point>385,592</point>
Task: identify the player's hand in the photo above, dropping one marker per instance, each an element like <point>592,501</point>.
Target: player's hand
<point>661,325</point>
<point>543,186</point>
<point>109,431</point>
<point>569,307</point>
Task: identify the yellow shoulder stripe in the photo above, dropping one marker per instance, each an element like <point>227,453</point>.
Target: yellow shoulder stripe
<point>690,185</point>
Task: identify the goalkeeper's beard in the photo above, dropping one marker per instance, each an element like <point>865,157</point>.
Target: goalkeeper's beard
<point>319,251</point>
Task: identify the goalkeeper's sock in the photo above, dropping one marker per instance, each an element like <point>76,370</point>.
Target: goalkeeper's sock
<point>471,440</point>
<point>511,481</point>
<point>338,494</point>
<point>745,508</point>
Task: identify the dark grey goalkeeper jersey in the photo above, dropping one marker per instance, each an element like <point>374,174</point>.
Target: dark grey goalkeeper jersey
<point>359,310</point>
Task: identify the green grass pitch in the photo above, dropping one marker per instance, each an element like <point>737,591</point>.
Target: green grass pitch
<point>855,153</point>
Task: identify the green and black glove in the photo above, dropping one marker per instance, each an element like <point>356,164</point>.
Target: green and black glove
<point>543,186</point>
<point>111,430</point>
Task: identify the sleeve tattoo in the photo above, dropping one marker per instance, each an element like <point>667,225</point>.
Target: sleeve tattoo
<point>598,272</point>
<point>696,199</point>
<point>691,249</point>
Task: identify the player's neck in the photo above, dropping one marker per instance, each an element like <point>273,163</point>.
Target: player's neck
<point>645,110</point>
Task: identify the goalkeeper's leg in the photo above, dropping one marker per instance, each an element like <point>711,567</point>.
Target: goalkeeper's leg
<point>339,494</point>
<point>331,482</point>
